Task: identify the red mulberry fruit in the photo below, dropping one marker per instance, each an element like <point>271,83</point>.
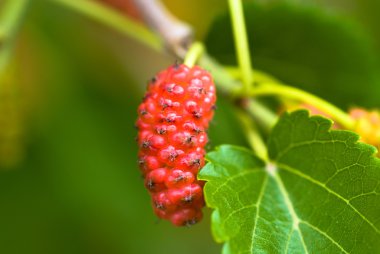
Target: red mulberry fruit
<point>172,123</point>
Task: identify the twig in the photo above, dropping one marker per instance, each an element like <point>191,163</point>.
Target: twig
<point>177,35</point>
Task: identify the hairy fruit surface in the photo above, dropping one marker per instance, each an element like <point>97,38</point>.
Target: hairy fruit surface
<point>172,123</point>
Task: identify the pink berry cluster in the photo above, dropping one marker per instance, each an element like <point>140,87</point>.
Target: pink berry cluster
<point>172,123</point>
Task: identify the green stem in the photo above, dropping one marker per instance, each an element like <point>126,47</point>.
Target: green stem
<point>12,14</point>
<point>293,93</point>
<point>261,114</point>
<point>224,81</point>
<point>255,141</point>
<point>259,75</point>
<point>115,20</point>
<point>241,42</point>
<point>195,52</point>
<point>270,86</point>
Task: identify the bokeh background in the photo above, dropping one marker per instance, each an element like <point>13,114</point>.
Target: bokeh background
<point>69,181</point>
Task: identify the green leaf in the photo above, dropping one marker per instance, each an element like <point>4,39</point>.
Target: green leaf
<point>305,47</point>
<point>320,192</point>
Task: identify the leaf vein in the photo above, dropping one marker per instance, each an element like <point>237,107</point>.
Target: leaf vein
<point>312,180</point>
<point>290,207</point>
<point>258,203</point>
<point>324,234</point>
<point>305,143</point>
<point>232,178</point>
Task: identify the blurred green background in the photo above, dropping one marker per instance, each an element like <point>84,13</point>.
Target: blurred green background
<point>69,181</point>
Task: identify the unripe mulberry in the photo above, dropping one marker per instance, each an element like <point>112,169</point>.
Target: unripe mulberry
<point>172,123</point>
<point>367,125</point>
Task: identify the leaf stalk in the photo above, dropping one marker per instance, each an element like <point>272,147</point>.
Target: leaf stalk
<point>294,93</point>
<point>254,138</point>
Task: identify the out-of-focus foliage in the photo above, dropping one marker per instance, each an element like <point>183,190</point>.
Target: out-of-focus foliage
<point>306,47</point>
<point>78,188</point>
<point>364,12</point>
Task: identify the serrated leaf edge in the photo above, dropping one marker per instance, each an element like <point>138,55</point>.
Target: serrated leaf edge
<point>355,142</point>
<point>296,220</point>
